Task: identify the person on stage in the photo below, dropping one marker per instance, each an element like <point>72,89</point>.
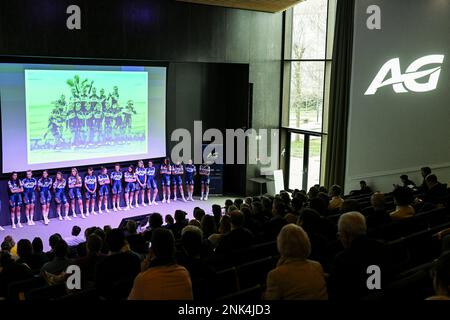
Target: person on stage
<point>141,183</point>
<point>130,184</point>
<point>75,184</point>
<point>59,187</point>
<point>191,171</point>
<point>15,199</point>
<point>44,185</point>
<point>103,191</point>
<point>177,173</point>
<point>29,196</point>
<point>205,171</point>
<point>151,183</point>
<point>165,171</point>
<point>90,185</point>
<point>116,179</point>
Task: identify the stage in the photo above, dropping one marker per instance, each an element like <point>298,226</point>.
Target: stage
<point>112,218</point>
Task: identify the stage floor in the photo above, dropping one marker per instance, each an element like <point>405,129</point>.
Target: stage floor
<point>112,218</point>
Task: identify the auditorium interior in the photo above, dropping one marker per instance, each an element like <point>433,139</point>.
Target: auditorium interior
<point>224,151</point>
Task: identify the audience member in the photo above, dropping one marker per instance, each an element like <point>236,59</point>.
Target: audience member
<point>336,199</point>
<point>38,258</point>
<point>11,271</point>
<point>162,278</point>
<point>54,270</point>
<point>25,253</point>
<point>295,277</point>
<point>180,223</point>
<point>89,263</point>
<point>224,228</point>
<point>403,199</point>
<point>238,238</point>
<point>217,213</point>
<point>53,241</point>
<point>349,269</point>
<point>350,205</point>
<point>116,272</point>
<point>436,192</point>
<point>424,171</point>
<point>75,238</point>
<point>155,221</point>
<point>208,226</point>
<point>406,182</point>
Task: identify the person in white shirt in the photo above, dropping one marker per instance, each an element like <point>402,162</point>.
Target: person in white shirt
<point>75,239</point>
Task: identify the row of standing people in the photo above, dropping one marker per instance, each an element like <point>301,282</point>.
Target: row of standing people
<point>132,182</point>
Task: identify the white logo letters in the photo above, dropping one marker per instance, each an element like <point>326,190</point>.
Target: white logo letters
<point>403,82</point>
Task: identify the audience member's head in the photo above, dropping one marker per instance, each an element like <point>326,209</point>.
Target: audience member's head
<point>38,245</point>
<point>312,193</point>
<point>377,200</point>
<point>350,205</point>
<point>216,210</point>
<point>323,189</point>
<point>225,224</point>
<point>61,249</point>
<point>155,220</point>
<point>199,213</point>
<point>325,198</point>
<point>237,219</point>
<point>403,196</point>
<point>131,227</point>
<point>208,225</point>
<point>24,249</point>
<point>248,201</point>
<point>10,240</point>
<point>232,208</point>
<point>6,246</point>
<point>163,246</point>
<point>115,240</point>
<point>168,219</point>
<point>293,243</point>
<point>431,180</point>
<point>238,202</point>
<point>257,208</point>
<point>335,191</point>
<point>195,222</point>
<point>180,216</point>
<point>279,208</point>
<point>404,178</point>
<point>285,197</point>
<point>76,230</point>
<point>425,171</point>
<point>191,240</point>
<point>350,226</point>
<point>310,220</point>
<point>441,275</point>
<point>53,240</point>
<point>107,229</point>
<point>94,244</point>
<point>228,203</point>
<point>363,184</point>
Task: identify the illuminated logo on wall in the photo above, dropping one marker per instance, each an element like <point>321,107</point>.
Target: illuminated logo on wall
<point>408,81</point>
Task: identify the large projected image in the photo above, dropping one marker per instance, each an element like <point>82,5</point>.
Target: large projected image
<point>399,105</point>
<point>61,115</point>
<point>69,111</point>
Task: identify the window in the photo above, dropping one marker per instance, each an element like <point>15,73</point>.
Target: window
<point>307,65</point>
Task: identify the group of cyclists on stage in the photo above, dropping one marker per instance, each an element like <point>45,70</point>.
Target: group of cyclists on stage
<point>133,183</point>
<point>88,119</point>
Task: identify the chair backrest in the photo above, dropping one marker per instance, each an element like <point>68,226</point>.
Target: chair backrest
<point>17,290</point>
<point>47,293</point>
<point>255,273</point>
<point>226,282</point>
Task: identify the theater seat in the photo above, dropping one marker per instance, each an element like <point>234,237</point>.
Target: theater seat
<point>255,273</point>
<point>17,290</point>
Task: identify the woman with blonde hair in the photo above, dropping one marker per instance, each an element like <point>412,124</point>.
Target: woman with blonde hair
<point>295,277</point>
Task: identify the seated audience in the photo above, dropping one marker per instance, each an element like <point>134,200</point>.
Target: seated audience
<point>162,278</point>
<point>180,223</point>
<point>313,193</point>
<point>217,213</point>
<point>228,203</point>
<point>54,270</point>
<point>11,271</point>
<point>115,273</point>
<point>12,246</point>
<point>403,199</point>
<point>424,171</point>
<point>134,239</point>
<point>272,227</point>
<point>238,238</point>
<point>336,199</point>
<point>155,221</point>
<point>364,189</point>
<point>190,256</point>
<point>89,263</point>
<point>169,221</point>
<point>319,205</point>
<point>436,192</point>
<point>441,278</point>
<point>38,258</point>
<point>349,268</point>
<point>377,214</point>
<point>295,277</point>
<point>199,213</point>
<point>75,239</point>
<point>53,241</point>
<point>208,226</point>
<point>224,228</point>
<point>406,182</point>
<point>25,252</point>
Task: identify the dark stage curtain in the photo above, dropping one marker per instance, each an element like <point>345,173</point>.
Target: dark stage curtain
<point>340,93</point>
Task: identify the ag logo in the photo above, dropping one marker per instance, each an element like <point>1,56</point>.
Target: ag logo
<point>403,82</point>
